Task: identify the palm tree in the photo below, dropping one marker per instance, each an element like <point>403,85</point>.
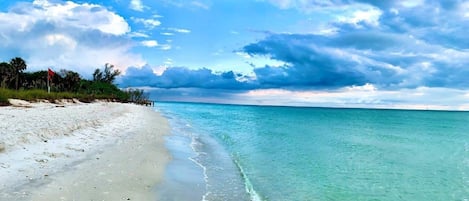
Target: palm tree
<point>19,65</point>
<point>6,74</point>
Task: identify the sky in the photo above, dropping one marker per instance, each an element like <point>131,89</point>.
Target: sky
<point>408,54</point>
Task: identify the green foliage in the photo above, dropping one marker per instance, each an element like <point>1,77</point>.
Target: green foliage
<point>66,80</point>
<point>34,80</point>
<point>65,84</point>
<point>100,89</point>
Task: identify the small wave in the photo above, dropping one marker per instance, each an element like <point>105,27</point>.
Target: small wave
<point>248,185</point>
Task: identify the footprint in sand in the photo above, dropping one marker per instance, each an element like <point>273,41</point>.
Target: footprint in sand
<point>75,149</point>
<point>42,160</point>
<point>3,165</point>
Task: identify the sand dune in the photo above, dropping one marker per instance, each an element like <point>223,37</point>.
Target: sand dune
<point>98,151</point>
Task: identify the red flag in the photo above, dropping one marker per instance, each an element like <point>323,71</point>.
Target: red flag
<point>50,74</point>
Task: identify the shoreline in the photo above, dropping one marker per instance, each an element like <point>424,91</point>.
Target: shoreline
<point>94,151</point>
<point>199,161</point>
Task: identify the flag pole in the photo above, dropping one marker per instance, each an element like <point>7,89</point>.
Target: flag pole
<point>48,87</point>
<point>48,78</point>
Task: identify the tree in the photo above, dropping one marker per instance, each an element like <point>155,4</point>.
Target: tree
<point>6,74</point>
<point>110,74</point>
<point>98,75</point>
<point>106,76</point>
<point>71,80</point>
<point>19,65</point>
<point>34,80</point>
<point>137,96</point>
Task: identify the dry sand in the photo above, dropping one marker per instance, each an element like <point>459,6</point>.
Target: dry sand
<point>98,151</point>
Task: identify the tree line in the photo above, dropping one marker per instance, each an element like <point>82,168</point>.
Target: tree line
<point>14,77</point>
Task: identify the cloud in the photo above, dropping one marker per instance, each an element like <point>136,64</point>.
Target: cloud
<point>136,5</point>
<point>362,53</point>
<point>85,16</point>
<point>165,46</point>
<point>148,23</point>
<point>372,43</point>
<point>149,43</point>
<point>390,44</point>
<point>367,96</point>
<point>66,35</point>
<point>359,57</point>
<point>138,35</point>
<point>310,63</point>
<point>178,30</point>
<point>369,16</point>
<point>360,97</point>
<point>180,77</point>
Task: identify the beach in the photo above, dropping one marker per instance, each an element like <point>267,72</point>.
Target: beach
<point>78,151</point>
<point>114,151</point>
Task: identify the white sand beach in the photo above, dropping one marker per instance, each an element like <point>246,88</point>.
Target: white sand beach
<point>76,151</point>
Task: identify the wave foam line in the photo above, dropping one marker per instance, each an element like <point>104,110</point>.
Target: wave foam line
<point>194,159</point>
<point>248,185</point>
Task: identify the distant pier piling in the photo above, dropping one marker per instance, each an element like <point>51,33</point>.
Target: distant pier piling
<point>150,103</point>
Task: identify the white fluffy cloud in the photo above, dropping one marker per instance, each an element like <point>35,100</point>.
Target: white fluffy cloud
<point>67,35</point>
<point>149,43</point>
<point>369,16</point>
<point>148,23</point>
<point>136,5</point>
<point>68,14</point>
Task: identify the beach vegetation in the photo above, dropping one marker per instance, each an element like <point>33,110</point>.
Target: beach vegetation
<point>137,96</point>
<point>6,74</point>
<point>3,99</point>
<point>19,65</point>
<point>64,84</point>
<point>108,75</point>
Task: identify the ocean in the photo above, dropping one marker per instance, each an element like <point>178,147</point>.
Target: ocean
<point>228,152</point>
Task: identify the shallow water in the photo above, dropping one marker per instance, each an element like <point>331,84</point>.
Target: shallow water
<point>284,153</point>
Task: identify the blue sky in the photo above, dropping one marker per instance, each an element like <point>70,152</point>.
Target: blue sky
<point>340,53</point>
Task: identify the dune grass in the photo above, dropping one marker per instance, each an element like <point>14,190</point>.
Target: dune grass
<point>37,94</point>
<point>3,99</point>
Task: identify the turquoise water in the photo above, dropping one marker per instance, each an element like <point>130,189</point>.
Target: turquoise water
<point>285,153</point>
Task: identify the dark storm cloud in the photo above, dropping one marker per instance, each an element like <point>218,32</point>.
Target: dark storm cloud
<point>311,62</point>
<point>180,77</point>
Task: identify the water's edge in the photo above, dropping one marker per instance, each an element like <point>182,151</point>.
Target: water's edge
<point>200,167</point>
<point>183,179</point>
